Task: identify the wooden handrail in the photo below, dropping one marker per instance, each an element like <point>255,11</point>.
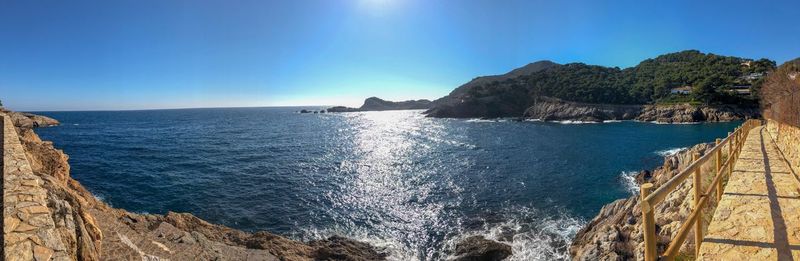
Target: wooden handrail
<point>673,247</point>
<point>659,194</point>
<point>648,200</point>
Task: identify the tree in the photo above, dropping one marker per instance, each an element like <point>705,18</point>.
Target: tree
<point>780,94</point>
<point>706,90</point>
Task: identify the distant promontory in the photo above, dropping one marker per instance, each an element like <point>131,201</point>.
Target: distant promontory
<point>378,104</point>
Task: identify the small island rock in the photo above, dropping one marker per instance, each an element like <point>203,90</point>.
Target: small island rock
<point>478,248</point>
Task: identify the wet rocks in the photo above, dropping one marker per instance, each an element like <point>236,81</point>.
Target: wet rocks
<point>341,248</point>
<point>478,248</point>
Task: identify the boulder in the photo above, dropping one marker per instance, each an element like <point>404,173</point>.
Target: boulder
<point>341,248</point>
<point>478,248</point>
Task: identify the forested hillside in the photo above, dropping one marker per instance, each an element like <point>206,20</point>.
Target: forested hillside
<point>707,78</point>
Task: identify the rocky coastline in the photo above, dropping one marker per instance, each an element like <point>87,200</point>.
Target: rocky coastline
<point>49,215</point>
<point>615,233</point>
<point>551,109</point>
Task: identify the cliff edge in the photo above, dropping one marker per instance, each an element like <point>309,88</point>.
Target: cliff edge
<point>48,215</point>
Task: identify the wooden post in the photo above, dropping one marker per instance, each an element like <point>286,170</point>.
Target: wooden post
<point>730,145</point>
<point>730,154</point>
<point>719,170</point>
<point>648,224</point>
<point>698,225</point>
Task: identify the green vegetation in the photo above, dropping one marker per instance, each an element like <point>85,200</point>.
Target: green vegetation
<point>711,77</point>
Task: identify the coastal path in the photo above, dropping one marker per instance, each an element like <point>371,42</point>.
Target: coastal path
<point>758,217</point>
<point>745,203</point>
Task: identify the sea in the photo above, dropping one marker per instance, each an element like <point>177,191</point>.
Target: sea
<point>411,185</point>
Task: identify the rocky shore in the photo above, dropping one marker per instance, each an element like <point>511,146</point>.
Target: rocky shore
<point>49,215</point>
<point>615,233</point>
<point>550,109</point>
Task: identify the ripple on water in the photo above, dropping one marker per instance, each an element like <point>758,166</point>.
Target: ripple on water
<point>396,179</point>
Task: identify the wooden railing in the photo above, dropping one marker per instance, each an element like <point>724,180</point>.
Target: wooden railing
<point>650,198</point>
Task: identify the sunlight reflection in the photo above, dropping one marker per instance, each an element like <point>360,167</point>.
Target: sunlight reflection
<point>387,185</point>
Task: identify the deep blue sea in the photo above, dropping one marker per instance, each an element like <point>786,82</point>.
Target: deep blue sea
<point>396,179</point>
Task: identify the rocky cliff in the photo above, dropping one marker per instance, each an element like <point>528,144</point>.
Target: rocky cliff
<point>49,215</point>
<point>616,234</point>
<point>550,109</point>
<point>378,104</point>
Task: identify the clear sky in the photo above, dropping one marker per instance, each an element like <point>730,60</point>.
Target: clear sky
<point>108,55</point>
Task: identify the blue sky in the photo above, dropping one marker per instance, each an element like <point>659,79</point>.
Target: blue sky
<point>109,55</point>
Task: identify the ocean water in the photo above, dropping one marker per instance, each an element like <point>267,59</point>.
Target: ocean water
<point>410,184</point>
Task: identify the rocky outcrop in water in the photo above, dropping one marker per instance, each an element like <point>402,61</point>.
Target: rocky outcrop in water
<point>49,215</point>
<point>378,104</point>
<point>478,248</point>
<point>29,120</point>
<point>616,232</point>
<point>550,109</point>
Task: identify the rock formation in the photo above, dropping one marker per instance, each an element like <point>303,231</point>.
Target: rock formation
<point>49,215</point>
<point>551,109</point>
<point>690,113</point>
<point>478,248</point>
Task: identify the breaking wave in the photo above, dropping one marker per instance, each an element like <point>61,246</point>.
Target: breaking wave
<point>628,180</point>
<point>531,234</point>
<point>670,152</point>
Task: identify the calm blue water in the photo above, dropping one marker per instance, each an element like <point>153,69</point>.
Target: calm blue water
<point>412,184</point>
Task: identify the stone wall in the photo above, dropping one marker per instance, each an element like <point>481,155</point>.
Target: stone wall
<point>787,138</point>
<point>29,231</point>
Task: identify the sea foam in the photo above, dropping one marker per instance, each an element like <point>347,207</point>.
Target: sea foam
<point>670,151</point>
<point>530,235</point>
<point>628,180</point>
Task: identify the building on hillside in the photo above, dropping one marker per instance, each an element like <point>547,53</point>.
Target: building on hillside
<point>753,76</point>
<point>741,89</point>
<point>681,90</point>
